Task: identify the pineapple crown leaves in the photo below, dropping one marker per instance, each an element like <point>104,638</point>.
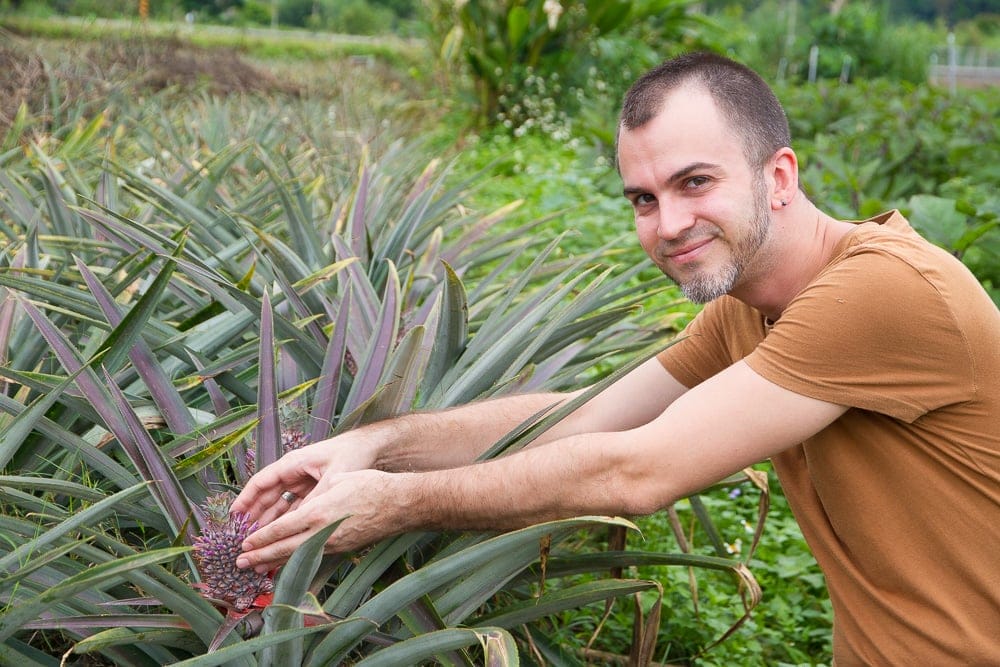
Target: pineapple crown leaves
<point>216,550</point>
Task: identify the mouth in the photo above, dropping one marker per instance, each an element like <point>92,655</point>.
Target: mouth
<point>689,252</point>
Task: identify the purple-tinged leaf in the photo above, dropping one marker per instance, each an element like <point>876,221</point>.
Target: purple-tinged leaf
<point>149,460</point>
<point>268,431</point>
<point>548,367</point>
<point>287,372</point>
<point>86,381</point>
<point>127,334</point>
<point>478,232</point>
<point>428,307</point>
<point>355,276</point>
<point>109,621</point>
<point>115,227</point>
<point>370,368</point>
<point>8,308</point>
<point>297,303</point>
<point>104,574</point>
<point>230,623</point>
<point>135,237</point>
<point>359,235</point>
<point>99,461</point>
<point>16,432</point>
<point>451,335</point>
<point>219,402</point>
<point>401,377</point>
<point>144,601</point>
<point>325,402</point>
<point>420,186</point>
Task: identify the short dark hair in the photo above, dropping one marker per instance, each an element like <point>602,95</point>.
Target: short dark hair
<point>743,97</point>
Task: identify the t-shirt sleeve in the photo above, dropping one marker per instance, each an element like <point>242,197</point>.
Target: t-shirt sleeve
<point>721,334</point>
<point>870,333</point>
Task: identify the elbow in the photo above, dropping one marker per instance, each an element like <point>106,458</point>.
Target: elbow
<point>640,491</point>
<point>644,503</point>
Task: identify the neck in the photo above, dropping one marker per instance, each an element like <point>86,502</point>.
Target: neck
<point>801,243</point>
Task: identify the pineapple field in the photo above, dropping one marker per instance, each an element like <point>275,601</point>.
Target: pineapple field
<point>209,257</point>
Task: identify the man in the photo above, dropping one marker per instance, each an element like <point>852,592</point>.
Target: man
<point>858,357</point>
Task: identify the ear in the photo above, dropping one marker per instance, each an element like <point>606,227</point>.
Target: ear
<point>784,173</point>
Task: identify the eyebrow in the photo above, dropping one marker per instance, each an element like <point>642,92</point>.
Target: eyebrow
<point>676,176</point>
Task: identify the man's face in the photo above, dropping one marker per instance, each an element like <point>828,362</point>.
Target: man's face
<point>702,214</point>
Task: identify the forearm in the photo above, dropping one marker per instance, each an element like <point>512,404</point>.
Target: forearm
<point>449,438</point>
<point>457,437</point>
<point>584,474</point>
<point>433,441</point>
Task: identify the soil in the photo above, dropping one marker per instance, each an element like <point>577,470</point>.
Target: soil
<point>30,72</point>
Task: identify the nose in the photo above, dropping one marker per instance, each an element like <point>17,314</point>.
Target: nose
<point>673,221</point>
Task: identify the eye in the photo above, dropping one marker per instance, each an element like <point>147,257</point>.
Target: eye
<point>643,200</point>
<point>696,182</point>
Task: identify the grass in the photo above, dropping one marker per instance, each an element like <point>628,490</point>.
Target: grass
<point>287,44</point>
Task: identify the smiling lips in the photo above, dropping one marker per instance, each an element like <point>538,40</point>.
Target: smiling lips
<point>688,252</point>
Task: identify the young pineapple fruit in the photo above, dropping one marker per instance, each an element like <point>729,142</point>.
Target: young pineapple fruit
<point>215,551</point>
<point>292,438</point>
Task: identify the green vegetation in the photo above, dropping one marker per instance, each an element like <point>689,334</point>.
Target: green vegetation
<point>196,240</point>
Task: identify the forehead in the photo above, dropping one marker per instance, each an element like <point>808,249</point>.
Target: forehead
<point>688,128</point>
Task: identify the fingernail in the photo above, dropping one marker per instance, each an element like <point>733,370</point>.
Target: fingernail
<point>242,563</point>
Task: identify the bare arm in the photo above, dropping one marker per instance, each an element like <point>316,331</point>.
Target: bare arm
<point>728,422</point>
<point>455,437</point>
<point>451,438</point>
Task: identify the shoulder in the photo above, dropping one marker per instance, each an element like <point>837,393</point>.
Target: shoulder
<point>889,325</point>
<point>887,247</point>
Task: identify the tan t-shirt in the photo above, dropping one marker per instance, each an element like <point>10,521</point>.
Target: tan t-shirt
<point>899,499</point>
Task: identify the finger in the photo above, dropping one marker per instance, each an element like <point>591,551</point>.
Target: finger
<point>287,501</point>
<point>273,544</point>
<point>271,556</point>
<point>264,490</point>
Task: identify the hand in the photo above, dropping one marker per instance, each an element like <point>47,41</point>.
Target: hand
<point>361,498</point>
<point>306,473</point>
<point>298,472</point>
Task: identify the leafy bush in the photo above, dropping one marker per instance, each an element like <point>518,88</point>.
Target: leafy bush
<point>530,59</point>
<point>257,13</point>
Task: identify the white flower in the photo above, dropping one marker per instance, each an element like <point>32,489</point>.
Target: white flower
<point>553,9</point>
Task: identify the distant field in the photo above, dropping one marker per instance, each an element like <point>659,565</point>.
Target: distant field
<point>266,42</point>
